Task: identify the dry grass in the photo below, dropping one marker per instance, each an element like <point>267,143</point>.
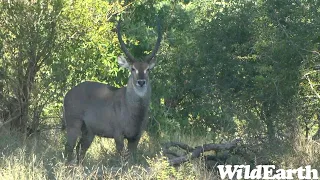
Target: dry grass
<point>41,158</point>
<point>305,153</point>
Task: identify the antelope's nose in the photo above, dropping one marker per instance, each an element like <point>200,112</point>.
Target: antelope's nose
<point>141,82</point>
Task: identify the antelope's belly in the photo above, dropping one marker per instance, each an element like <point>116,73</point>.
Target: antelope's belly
<point>99,124</point>
<point>132,130</point>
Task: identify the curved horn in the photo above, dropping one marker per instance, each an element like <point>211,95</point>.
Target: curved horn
<point>122,44</point>
<point>156,48</point>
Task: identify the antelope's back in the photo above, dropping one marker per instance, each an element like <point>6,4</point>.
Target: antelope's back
<point>77,99</point>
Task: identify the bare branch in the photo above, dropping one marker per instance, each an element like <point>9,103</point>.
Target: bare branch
<point>9,120</point>
<point>197,151</point>
<point>178,144</point>
<point>209,147</point>
<point>312,88</point>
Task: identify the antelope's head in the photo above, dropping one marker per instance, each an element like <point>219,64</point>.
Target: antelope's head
<point>139,77</point>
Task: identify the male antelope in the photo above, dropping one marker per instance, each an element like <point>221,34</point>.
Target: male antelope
<point>96,109</point>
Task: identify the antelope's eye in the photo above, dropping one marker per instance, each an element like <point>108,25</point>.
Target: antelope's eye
<point>133,69</point>
<point>148,69</point>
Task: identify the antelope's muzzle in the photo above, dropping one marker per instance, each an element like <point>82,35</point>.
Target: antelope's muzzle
<point>141,82</point>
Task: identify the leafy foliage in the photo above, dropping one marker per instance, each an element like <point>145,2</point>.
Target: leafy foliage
<point>228,68</point>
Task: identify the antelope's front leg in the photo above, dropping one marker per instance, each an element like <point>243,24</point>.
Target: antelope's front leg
<point>119,144</point>
<point>133,144</point>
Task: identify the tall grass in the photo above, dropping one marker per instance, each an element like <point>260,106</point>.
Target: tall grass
<point>40,157</point>
<point>305,152</point>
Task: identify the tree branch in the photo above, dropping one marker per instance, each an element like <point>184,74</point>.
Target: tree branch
<point>312,88</point>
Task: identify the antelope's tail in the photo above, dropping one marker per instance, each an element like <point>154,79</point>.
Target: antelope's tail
<point>63,122</point>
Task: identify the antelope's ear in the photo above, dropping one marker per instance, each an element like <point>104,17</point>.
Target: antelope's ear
<point>123,62</point>
<point>152,63</point>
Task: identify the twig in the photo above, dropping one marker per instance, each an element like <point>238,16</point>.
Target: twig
<point>178,144</point>
<point>8,121</point>
<point>312,88</point>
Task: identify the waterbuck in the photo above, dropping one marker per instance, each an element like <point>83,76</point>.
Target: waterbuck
<point>96,109</point>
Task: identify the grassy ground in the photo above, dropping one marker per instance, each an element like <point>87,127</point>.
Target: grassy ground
<point>41,157</point>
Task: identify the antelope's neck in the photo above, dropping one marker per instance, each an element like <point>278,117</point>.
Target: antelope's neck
<point>132,97</point>
<point>137,106</point>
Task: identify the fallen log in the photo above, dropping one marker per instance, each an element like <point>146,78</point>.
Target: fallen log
<point>196,152</point>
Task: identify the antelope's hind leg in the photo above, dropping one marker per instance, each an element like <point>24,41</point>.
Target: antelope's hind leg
<point>73,133</point>
<point>84,143</point>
